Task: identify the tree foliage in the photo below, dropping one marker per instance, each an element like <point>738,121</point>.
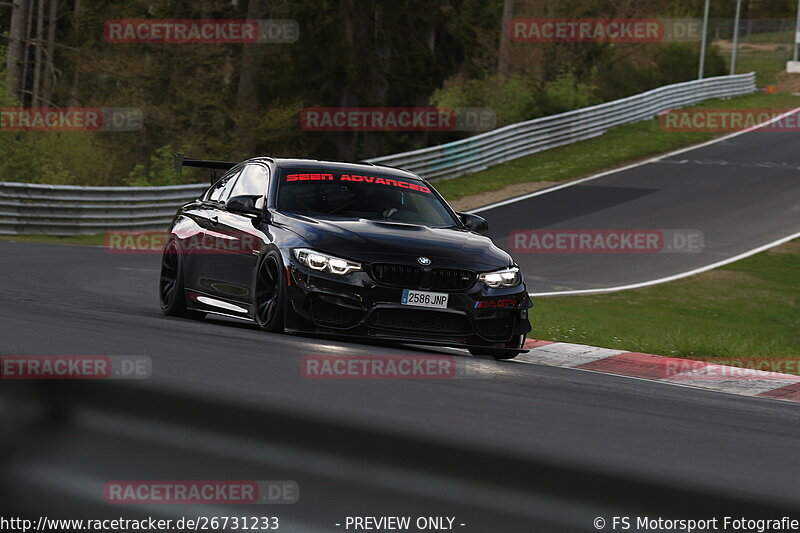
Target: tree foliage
<point>230,101</point>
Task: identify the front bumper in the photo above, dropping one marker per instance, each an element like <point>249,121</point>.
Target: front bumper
<point>358,305</point>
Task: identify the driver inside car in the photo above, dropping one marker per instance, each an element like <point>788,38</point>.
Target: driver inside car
<point>389,202</point>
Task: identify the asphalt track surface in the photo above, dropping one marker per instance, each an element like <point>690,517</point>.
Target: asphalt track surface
<point>74,300</point>
<point>742,192</point>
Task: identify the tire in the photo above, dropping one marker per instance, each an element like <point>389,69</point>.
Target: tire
<point>269,294</point>
<point>171,290</point>
<point>518,342</point>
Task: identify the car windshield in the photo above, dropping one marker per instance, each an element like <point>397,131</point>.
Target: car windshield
<point>349,195</point>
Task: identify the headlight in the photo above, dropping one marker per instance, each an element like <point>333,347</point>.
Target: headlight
<point>319,261</point>
<point>508,277</point>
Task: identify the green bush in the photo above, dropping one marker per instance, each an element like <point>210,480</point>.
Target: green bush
<point>159,172</point>
<point>51,157</point>
<point>659,65</point>
<point>566,93</point>
<point>515,99</point>
<point>57,158</point>
<point>22,157</point>
<point>512,99</point>
<point>677,62</point>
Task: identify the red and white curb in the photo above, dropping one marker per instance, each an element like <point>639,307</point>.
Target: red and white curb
<point>686,372</point>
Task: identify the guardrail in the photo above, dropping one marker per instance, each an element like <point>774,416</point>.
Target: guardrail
<point>62,441</point>
<point>27,208</point>
<point>525,138</point>
<point>67,210</point>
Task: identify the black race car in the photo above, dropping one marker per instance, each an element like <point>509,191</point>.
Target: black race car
<point>342,248</point>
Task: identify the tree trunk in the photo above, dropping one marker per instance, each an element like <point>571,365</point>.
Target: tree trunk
<point>355,29</point>
<point>36,99</point>
<point>73,100</point>
<point>380,74</point>
<point>502,55</point>
<point>26,54</point>
<point>16,47</point>
<point>49,68</point>
<point>247,92</point>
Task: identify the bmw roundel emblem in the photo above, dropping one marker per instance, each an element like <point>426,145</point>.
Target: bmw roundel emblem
<point>424,261</point>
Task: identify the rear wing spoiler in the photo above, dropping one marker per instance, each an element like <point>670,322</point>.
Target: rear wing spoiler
<point>214,166</point>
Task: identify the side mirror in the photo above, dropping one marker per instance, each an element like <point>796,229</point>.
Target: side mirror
<point>474,222</point>
<point>243,205</point>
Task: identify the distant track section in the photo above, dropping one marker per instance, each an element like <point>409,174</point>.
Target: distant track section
<point>739,193</point>
<point>71,210</point>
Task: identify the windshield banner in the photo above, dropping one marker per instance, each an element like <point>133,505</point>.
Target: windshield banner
<point>355,177</point>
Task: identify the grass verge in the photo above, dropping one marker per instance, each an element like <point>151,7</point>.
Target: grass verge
<point>749,310</point>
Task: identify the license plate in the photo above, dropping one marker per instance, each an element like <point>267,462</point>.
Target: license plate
<point>425,299</point>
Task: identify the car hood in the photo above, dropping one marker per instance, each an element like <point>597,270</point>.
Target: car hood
<point>376,241</point>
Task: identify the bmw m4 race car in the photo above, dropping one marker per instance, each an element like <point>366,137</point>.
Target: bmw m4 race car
<point>342,248</point>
